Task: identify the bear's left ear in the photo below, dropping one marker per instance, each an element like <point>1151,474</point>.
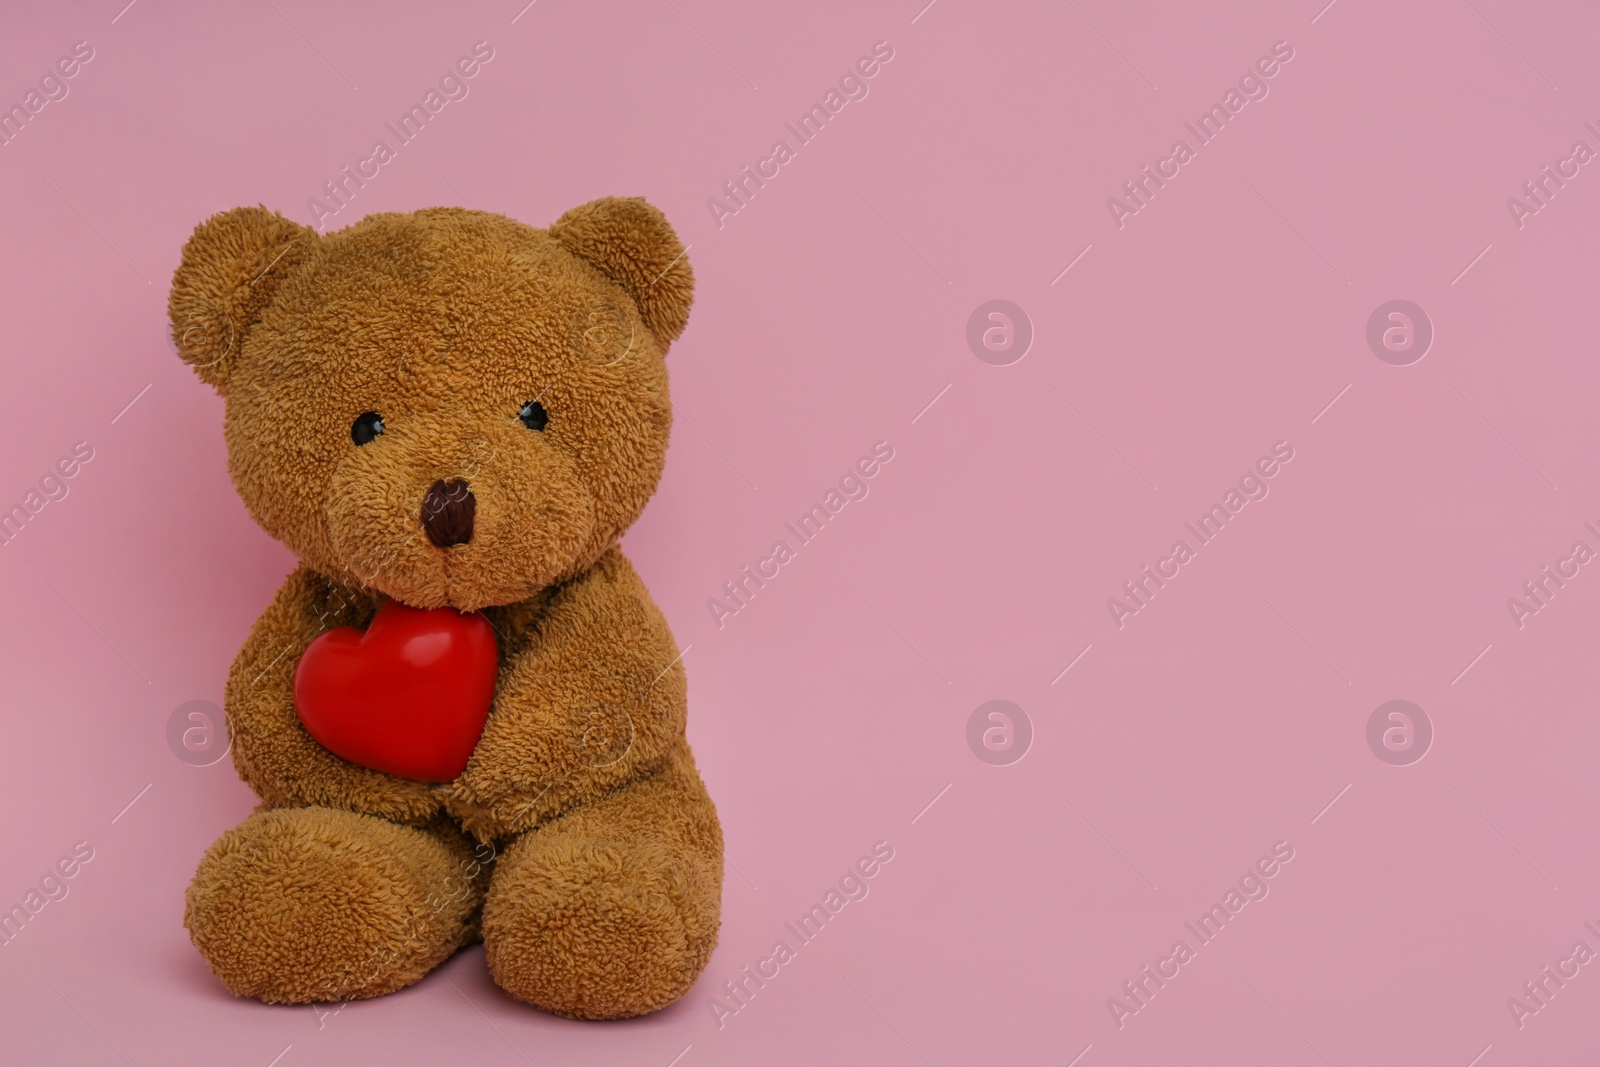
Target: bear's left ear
<point>631,242</point>
<point>230,268</point>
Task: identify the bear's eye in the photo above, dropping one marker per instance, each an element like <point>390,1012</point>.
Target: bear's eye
<point>366,427</point>
<point>533,416</point>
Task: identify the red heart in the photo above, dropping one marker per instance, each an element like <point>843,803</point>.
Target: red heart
<point>408,696</point>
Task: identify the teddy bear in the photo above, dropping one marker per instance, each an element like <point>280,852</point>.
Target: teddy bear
<point>449,415</point>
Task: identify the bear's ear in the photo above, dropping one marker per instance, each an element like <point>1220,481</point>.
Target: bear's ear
<point>632,243</point>
<point>230,267</point>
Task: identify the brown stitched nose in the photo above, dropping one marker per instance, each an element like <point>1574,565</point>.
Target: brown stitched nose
<point>447,513</point>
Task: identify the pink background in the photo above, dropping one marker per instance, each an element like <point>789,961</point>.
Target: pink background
<point>827,714</point>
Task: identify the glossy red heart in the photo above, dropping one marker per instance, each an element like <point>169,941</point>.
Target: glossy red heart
<point>407,696</point>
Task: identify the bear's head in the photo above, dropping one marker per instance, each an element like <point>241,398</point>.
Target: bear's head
<point>449,407</point>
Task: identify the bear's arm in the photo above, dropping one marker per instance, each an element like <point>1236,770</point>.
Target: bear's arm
<point>271,749</point>
<point>591,695</point>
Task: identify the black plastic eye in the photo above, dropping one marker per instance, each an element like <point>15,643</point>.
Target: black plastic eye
<point>533,416</point>
<point>366,427</point>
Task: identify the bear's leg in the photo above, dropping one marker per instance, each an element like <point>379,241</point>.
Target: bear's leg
<point>612,909</point>
<point>301,905</point>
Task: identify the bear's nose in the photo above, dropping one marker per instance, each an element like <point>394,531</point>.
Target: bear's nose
<point>447,512</point>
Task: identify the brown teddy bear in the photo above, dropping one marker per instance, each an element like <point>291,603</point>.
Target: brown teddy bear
<point>450,409</point>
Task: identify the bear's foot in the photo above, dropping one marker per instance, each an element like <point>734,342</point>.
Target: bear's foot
<point>595,929</point>
<point>611,910</point>
<point>301,905</point>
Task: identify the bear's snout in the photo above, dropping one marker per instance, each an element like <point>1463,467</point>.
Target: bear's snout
<point>448,509</point>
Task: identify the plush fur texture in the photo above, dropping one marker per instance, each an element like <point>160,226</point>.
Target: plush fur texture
<point>579,843</point>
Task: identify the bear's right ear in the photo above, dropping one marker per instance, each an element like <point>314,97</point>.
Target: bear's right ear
<point>230,268</point>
